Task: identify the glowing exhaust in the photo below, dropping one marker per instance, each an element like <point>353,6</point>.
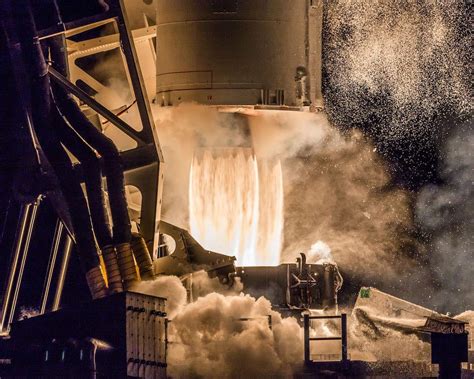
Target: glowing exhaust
<point>236,205</point>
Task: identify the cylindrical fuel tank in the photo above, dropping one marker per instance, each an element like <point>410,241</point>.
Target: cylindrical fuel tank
<point>239,52</point>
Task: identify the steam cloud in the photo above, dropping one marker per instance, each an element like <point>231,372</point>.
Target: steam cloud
<point>182,130</point>
<point>337,190</point>
<point>226,334</point>
<point>169,287</point>
<point>202,285</point>
<point>210,340</point>
<point>398,70</point>
<point>446,212</point>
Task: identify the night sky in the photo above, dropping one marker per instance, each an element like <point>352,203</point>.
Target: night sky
<point>400,72</point>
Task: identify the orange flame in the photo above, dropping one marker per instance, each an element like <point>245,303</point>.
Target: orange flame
<point>236,205</point>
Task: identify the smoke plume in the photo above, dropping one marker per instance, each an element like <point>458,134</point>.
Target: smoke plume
<point>203,285</point>
<point>224,333</point>
<point>446,214</point>
<point>183,130</point>
<point>211,339</point>
<point>227,334</point>
<point>337,190</point>
<point>169,287</point>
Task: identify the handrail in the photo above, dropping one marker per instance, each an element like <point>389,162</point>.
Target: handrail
<point>342,337</point>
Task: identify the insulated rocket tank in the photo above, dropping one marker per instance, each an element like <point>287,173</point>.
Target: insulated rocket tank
<point>239,52</point>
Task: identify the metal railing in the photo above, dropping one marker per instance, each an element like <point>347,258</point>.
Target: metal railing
<point>25,227</point>
<point>308,339</point>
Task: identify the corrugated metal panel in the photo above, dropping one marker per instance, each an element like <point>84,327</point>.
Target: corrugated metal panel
<point>131,324</point>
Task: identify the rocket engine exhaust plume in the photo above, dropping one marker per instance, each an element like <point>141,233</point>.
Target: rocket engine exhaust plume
<point>236,205</point>
<point>331,188</point>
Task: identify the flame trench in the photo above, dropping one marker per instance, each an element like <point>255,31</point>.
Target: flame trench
<point>236,205</point>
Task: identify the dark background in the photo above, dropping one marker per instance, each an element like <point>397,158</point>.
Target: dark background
<point>413,143</point>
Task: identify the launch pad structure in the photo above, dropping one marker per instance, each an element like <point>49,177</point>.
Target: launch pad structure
<point>236,56</point>
<point>122,335</point>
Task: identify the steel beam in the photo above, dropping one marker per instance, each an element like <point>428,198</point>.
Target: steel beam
<point>26,247</point>
<point>344,336</point>
<point>51,264</point>
<point>307,358</point>
<point>139,89</point>
<point>62,274</point>
<point>95,105</point>
<point>20,233</point>
<point>149,133</point>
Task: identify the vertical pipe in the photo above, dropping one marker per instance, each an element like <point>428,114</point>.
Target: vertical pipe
<point>62,273</point>
<point>344,336</point>
<point>306,338</point>
<point>51,264</point>
<point>315,44</point>
<point>329,290</point>
<point>166,340</point>
<point>31,225</point>
<point>20,232</point>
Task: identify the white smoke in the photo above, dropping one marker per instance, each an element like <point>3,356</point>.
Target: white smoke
<point>182,130</point>
<point>203,285</point>
<point>169,287</point>
<point>232,335</point>
<point>336,188</point>
<point>210,339</point>
<point>318,251</point>
<point>446,213</point>
<point>225,333</point>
